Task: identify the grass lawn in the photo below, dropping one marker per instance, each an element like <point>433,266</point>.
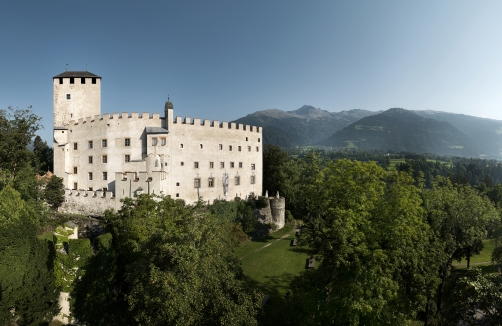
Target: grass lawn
<point>270,265</point>
<point>483,260</point>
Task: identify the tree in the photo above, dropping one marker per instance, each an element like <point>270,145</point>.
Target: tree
<point>459,217</point>
<point>28,294</point>
<point>54,192</point>
<point>178,267</point>
<point>367,232</point>
<point>43,156</point>
<point>17,128</point>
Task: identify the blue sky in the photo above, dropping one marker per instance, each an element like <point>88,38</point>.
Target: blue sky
<point>225,59</point>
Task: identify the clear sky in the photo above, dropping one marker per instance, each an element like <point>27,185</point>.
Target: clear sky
<point>225,59</point>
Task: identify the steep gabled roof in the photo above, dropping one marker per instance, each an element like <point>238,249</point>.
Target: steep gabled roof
<point>77,74</point>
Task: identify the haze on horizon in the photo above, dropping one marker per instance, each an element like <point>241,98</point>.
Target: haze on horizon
<point>225,59</point>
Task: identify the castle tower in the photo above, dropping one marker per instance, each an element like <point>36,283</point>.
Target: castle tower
<point>77,94</point>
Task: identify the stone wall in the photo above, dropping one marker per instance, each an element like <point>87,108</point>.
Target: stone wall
<point>90,203</point>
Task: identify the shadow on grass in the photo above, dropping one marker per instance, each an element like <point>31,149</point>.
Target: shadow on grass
<point>299,250</point>
<point>276,310</point>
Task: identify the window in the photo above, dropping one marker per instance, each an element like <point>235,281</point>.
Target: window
<point>196,183</point>
<point>201,146</point>
<point>257,148</point>
<point>258,139</point>
<point>237,180</point>
<point>68,96</point>
<point>74,170</point>
<point>182,163</point>
<point>90,176</point>
<point>211,182</point>
<point>104,159</point>
<point>177,184</point>
<point>82,80</point>
<point>239,148</point>
<point>177,195</point>
<point>104,143</point>
<point>127,142</point>
<point>211,165</point>
<point>127,158</point>
<point>60,80</point>
<point>220,146</point>
<point>72,80</point>
<point>231,164</point>
<point>105,175</point>
<point>230,147</point>
<point>163,141</point>
<point>246,139</point>
<point>94,80</point>
<point>90,159</point>
<point>252,179</point>
<point>181,145</point>
<point>252,166</point>
<point>240,164</point>
<point>89,144</point>
<point>90,189</point>
<point>154,141</point>
<point>75,146</point>
<point>75,186</point>
<point>196,165</point>
<point>222,165</point>
<point>156,163</point>
<point>249,148</point>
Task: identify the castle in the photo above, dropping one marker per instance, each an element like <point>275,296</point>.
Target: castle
<point>103,158</point>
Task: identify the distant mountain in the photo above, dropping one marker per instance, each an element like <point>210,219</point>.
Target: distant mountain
<point>402,130</point>
<point>305,126</point>
<point>486,133</point>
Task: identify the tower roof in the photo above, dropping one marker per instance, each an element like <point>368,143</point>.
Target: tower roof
<point>77,74</point>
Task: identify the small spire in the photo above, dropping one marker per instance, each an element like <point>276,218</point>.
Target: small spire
<point>66,67</point>
<point>168,97</point>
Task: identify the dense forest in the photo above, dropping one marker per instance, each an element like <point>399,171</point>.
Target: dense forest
<point>384,229</point>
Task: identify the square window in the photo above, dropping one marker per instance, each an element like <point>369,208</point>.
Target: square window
<point>75,186</point>
<point>89,144</point>
<point>90,176</point>
<point>154,141</point>
<point>127,158</point>
<point>68,96</point>
<point>60,80</point>
<point>237,180</point>
<point>211,182</point>
<point>127,142</point>
<point>182,163</point>
<point>74,170</point>
<point>196,165</point>
<point>239,148</point>
<point>220,146</point>
<point>94,80</point>
<point>90,189</point>
<point>252,166</point>
<point>177,195</point>
<point>197,183</point>
<point>90,159</point>
<point>222,165</point>
<point>230,147</point>
<point>72,80</point>
<point>105,175</point>
<point>252,179</point>
<point>104,143</point>
<point>104,159</point>
<point>163,141</point>
<point>75,146</point>
<point>240,164</point>
<point>82,80</point>
<point>211,165</point>
<point>177,184</point>
<point>231,164</point>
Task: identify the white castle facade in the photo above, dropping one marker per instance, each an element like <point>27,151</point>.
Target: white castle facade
<point>103,158</point>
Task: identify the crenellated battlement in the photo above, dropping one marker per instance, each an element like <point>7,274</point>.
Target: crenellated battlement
<point>131,116</point>
<point>215,123</point>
